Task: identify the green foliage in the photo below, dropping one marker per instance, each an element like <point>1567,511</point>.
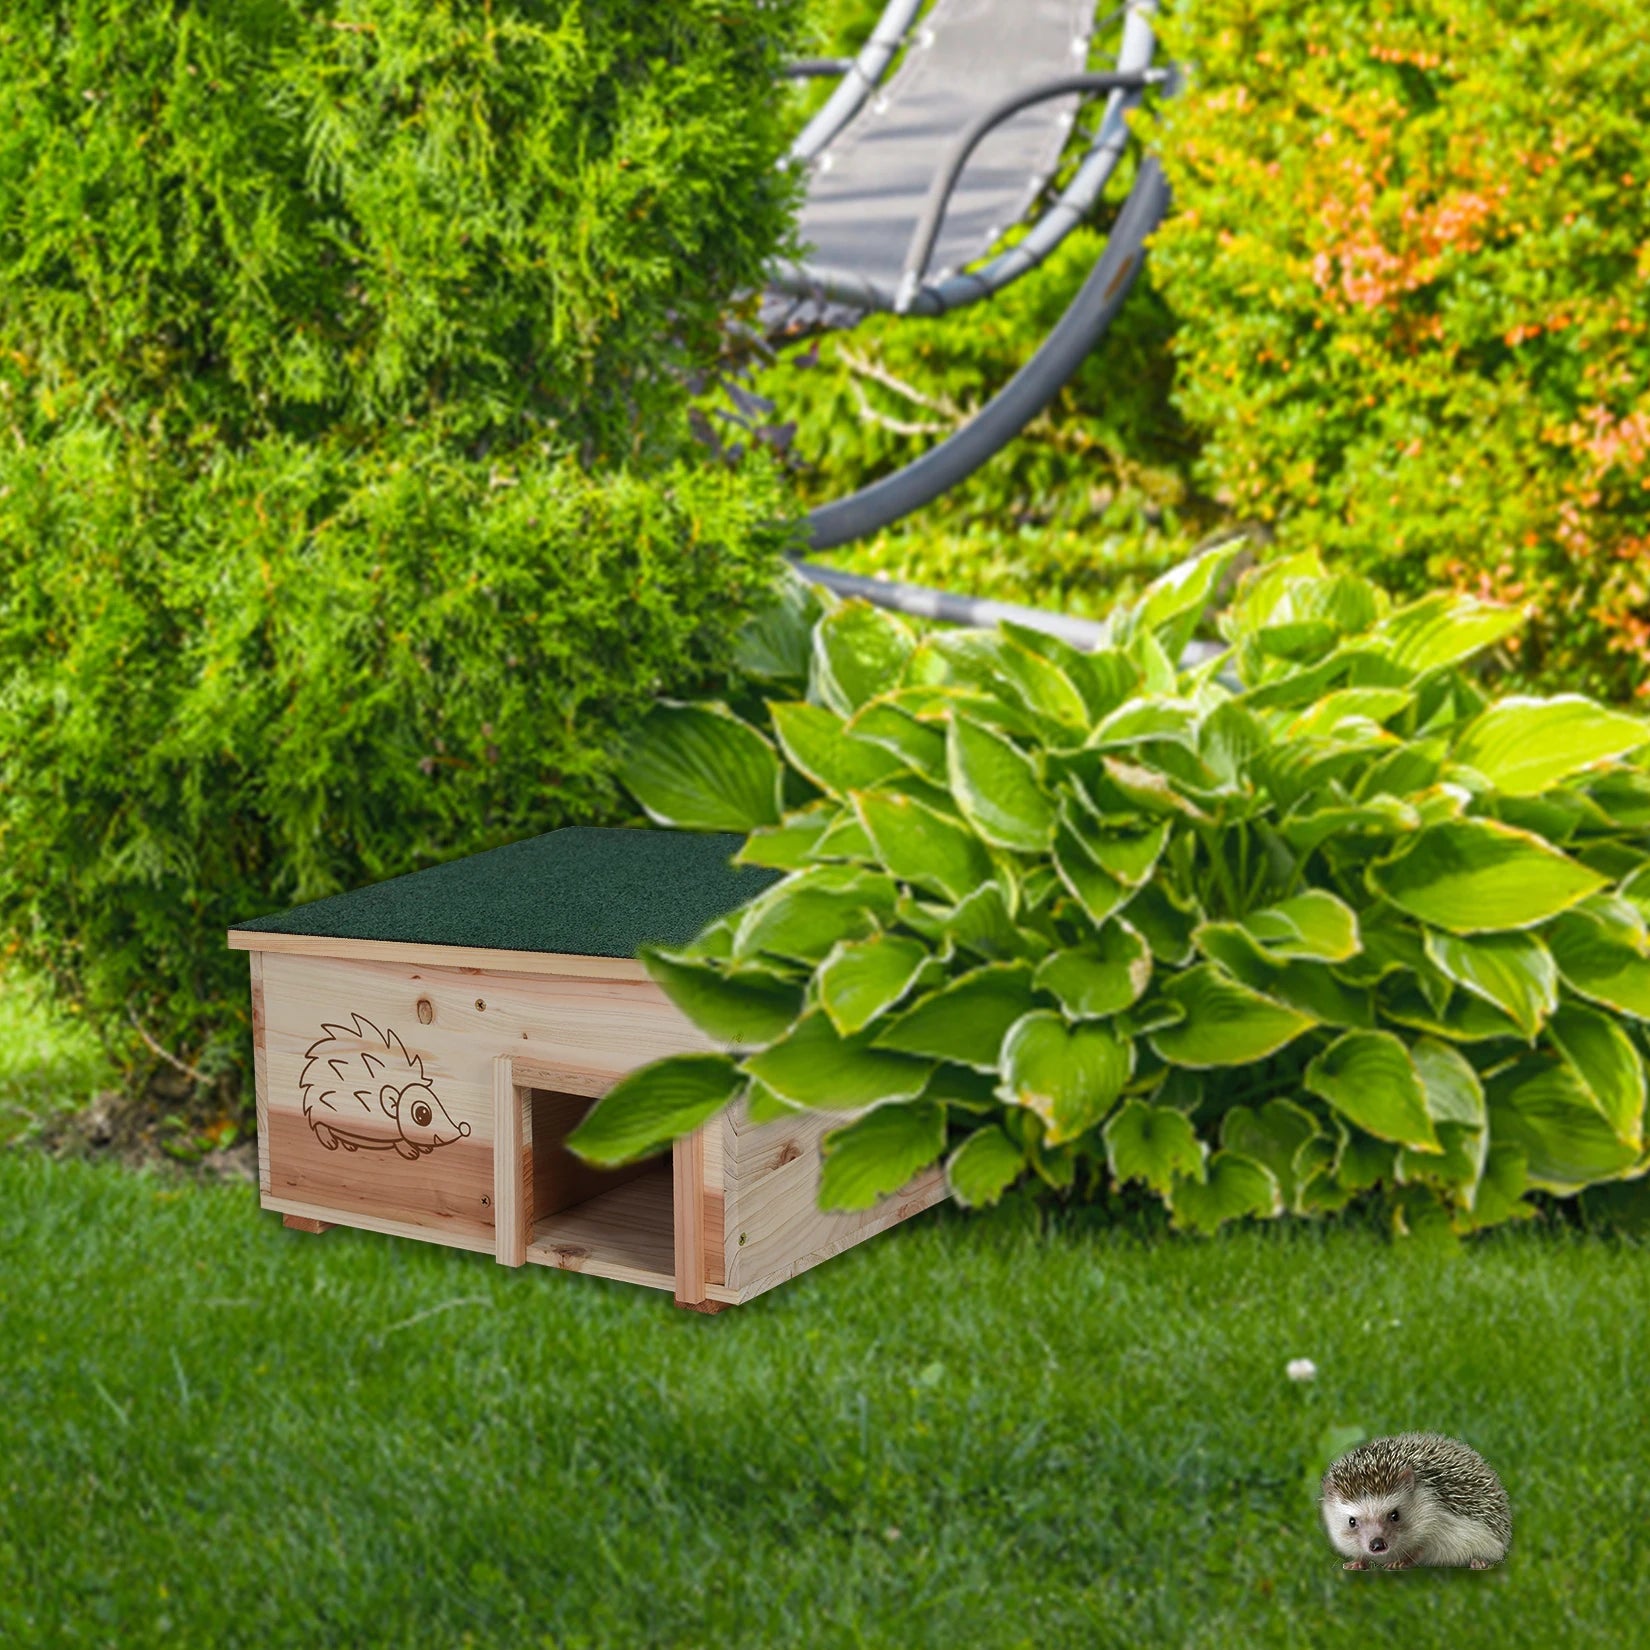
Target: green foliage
<point>176,1366</point>
<point>348,514</point>
<point>1407,265</point>
<point>226,220</point>
<point>1317,917</point>
<point>302,671</point>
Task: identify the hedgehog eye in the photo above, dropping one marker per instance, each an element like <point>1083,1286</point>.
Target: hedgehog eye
<point>1352,1523</point>
<point>422,1114</point>
<point>1393,1515</point>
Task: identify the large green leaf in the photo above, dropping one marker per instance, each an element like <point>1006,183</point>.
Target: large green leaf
<point>1172,604</point>
<point>785,846</point>
<point>965,1019</point>
<point>1151,1143</point>
<point>1462,1018</point>
<point>806,913</point>
<point>919,746</point>
<point>1311,988</point>
<point>812,1065</point>
<point>1380,817</point>
<point>1453,1092</point>
<point>1225,1024</point>
<point>1443,628</point>
<point>748,1008</point>
<point>1475,876</point>
<point>859,652</point>
<point>1314,925</point>
<point>1128,855</point>
<point>702,768</point>
<point>844,838</point>
<point>1104,677</point>
<point>997,788</point>
<point>919,844</point>
<point>1165,922</point>
<point>982,924</point>
<point>1001,666</point>
<point>878,1153</point>
<point>1456,1165</point>
<point>814,744</point>
<point>1599,960</point>
<point>1367,704</point>
<point>861,978</point>
<point>1233,1186</point>
<point>1097,891</point>
<point>649,1107</point>
<point>1523,746</point>
<point>983,1167</point>
<point>1515,972</point>
<point>1567,1142</point>
<point>1370,1079</point>
<point>775,640</point>
<point>1100,977</point>
<point>1068,1075</point>
<point>1277,1135</point>
<point>1602,1056</point>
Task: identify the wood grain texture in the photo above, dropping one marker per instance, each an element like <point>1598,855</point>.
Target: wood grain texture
<point>260,1068</point>
<point>627,1233</point>
<point>386,1227</point>
<point>547,963</point>
<point>688,1164</point>
<point>561,1180</point>
<point>849,1228</point>
<point>583,1033</point>
<point>306,1223</point>
<point>512,1059</point>
<point>512,1166</point>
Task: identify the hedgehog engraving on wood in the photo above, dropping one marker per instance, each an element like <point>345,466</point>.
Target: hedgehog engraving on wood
<point>364,1092</point>
<point>1416,1498</point>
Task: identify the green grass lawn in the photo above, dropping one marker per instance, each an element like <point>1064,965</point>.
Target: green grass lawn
<point>214,1431</point>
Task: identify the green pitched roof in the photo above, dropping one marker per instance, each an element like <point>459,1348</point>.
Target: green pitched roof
<point>583,890</point>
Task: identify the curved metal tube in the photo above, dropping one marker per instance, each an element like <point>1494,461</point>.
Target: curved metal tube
<point>859,82</point>
<point>856,291</point>
<point>980,613</point>
<point>1023,397</point>
<point>927,229</point>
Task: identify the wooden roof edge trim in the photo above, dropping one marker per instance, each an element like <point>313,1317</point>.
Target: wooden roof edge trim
<point>473,958</point>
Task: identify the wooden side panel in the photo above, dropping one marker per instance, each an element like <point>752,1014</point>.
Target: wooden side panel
<point>688,1161</point>
<point>260,1069</point>
<point>559,1179</point>
<point>476,959</point>
<point>850,1228</point>
<point>512,1166</point>
<point>379,1088</point>
<point>774,1226</point>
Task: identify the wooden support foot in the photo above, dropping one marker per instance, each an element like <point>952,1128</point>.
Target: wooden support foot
<point>305,1223</point>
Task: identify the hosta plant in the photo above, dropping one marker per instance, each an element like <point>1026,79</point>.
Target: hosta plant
<point>1313,918</point>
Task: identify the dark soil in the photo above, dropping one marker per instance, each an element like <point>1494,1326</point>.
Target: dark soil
<point>162,1126</point>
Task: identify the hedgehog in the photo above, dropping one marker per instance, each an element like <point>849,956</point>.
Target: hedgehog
<point>1417,1498</point>
<point>363,1091</point>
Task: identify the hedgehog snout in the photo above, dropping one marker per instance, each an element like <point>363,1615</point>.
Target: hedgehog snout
<point>1377,1545</point>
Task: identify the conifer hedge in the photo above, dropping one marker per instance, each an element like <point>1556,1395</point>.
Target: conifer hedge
<point>348,516</point>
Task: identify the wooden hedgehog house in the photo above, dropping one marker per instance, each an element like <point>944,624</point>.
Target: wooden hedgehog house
<point>424,1046</point>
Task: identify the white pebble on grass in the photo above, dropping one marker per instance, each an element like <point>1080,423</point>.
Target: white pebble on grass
<point>1301,1369</point>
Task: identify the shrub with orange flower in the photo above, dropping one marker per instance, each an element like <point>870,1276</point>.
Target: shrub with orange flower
<point>1410,265</point>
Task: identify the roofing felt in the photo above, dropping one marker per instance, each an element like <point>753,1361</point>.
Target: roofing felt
<point>581,891</point>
